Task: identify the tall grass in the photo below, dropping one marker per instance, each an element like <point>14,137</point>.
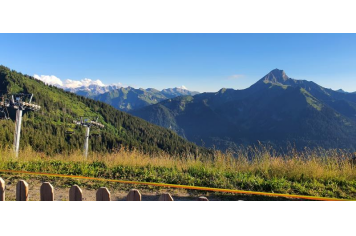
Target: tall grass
<point>319,172</point>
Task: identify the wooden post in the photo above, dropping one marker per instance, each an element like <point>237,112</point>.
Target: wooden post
<point>165,197</point>
<point>47,192</point>
<point>103,194</point>
<point>22,191</point>
<point>134,195</point>
<point>75,193</point>
<point>203,199</point>
<point>2,190</point>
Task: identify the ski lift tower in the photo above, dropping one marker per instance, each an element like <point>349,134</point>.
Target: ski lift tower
<point>21,102</point>
<point>88,122</point>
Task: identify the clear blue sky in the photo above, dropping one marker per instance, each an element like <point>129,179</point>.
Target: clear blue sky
<point>201,62</point>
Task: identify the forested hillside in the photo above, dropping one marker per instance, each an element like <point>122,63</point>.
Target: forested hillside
<point>45,130</point>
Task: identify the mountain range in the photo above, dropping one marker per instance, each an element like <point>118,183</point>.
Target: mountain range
<point>92,90</point>
<point>277,110</point>
<point>45,130</point>
<point>129,98</point>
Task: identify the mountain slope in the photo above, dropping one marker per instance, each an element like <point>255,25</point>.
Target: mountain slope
<point>128,99</point>
<point>276,110</point>
<point>45,130</point>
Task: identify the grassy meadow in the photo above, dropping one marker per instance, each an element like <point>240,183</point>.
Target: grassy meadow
<point>318,172</point>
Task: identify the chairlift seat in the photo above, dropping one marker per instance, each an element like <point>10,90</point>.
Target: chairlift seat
<point>69,131</point>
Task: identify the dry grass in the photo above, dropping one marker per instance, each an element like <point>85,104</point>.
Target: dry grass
<point>318,164</point>
<point>319,172</point>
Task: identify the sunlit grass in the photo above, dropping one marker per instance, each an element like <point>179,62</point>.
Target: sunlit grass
<point>327,173</point>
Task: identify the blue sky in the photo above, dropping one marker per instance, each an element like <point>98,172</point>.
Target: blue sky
<point>201,62</point>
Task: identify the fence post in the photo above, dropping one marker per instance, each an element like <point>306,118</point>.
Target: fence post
<point>46,192</point>
<point>165,197</point>
<point>2,190</point>
<point>75,193</point>
<point>103,194</point>
<point>22,191</point>
<point>203,199</point>
<point>134,195</point>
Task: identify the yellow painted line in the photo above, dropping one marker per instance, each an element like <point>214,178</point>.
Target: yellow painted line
<point>180,186</point>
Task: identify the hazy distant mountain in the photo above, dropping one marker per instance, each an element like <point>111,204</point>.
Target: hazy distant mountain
<point>127,99</point>
<point>276,110</point>
<point>176,92</point>
<point>92,90</point>
<point>341,91</point>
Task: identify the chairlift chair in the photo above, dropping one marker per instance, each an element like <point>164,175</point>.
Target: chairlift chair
<point>69,127</point>
<point>69,131</point>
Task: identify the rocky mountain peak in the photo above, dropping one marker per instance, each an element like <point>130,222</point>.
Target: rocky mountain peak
<point>276,76</point>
